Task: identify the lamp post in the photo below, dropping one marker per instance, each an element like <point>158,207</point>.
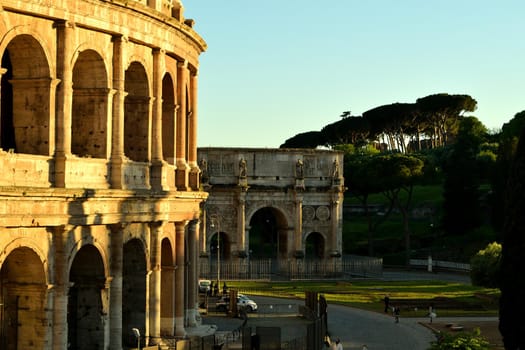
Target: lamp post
<point>215,221</point>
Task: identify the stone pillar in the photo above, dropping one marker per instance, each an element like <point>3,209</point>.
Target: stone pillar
<point>337,228</point>
<point>193,274</point>
<point>241,223</point>
<point>60,288</point>
<point>298,231</point>
<point>158,176</point>
<point>182,172</point>
<point>115,295</point>
<point>156,229</point>
<point>117,144</point>
<point>192,136</point>
<point>64,100</point>
<point>180,228</point>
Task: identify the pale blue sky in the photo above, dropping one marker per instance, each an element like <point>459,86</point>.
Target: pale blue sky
<point>276,68</point>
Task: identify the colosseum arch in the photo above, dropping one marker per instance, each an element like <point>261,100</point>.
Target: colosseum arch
<point>168,118</point>
<point>26,121</point>
<point>23,300</point>
<point>134,292</point>
<point>58,200</point>
<point>136,113</point>
<point>89,117</point>
<point>88,300</point>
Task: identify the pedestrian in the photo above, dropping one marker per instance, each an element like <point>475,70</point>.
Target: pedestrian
<point>216,289</point>
<point>387,303</point>
<point>397,311</point>
<point>323,314</point>
<point>431,312</point>
<point>224,288</point>
<point>334,345</point>
<point>210,291</point>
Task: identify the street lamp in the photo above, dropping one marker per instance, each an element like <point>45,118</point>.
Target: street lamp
<point>215,219</point>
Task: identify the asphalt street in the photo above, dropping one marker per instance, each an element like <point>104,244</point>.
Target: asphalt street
<point>355,327</point>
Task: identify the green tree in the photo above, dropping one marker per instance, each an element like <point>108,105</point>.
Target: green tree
<point>461,206</point>
<point>485,266</point>
<point>507,144</point>
<point>442,113</point>
<point>310,139</point>
<point>512,300</point>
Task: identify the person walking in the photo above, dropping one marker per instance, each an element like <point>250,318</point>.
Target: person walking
<point>397,311</point>
<point>386,299</point>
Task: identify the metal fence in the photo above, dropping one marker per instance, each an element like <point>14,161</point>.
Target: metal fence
<point>294,269</point>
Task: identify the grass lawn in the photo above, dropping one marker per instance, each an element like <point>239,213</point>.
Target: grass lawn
<point>414,297</point>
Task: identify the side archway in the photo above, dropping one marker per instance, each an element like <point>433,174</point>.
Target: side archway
<point>314,246</point>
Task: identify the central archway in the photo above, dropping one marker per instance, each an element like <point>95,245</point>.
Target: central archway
<point>268,234</point>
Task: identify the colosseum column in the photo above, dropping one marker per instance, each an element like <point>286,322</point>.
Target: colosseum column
<point>115,296</point>
<point>192,136</point>
<point>155,282</point>
<point>158,178</point>
<point>117,145</point>
<point>193,273</point>
<point>60,290</point>
<point>180,287</point>
<point>64,100</point>
<point>181,174</point>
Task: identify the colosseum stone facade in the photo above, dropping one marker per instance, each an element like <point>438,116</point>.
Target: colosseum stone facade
<point>99,193</point>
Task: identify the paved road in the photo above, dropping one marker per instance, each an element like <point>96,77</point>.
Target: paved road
<point>356,327</point>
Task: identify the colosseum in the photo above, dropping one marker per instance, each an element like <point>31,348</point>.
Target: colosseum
<point>100,196</point>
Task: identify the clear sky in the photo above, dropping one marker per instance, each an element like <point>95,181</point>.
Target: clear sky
<point>277,68</point>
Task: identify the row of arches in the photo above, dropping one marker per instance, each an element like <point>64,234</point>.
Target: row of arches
<point>267,237</point>
<point>27,122</point>
<point>26,297</point>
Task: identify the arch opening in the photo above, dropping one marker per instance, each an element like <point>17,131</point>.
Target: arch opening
<point>89,124</point>
<point>25,98</point>
<point>88,300</point>
<point>268,234</point>
<point>22,301</point>
<point>314,246</point>
<point>134,272</point>
<point>136,114</point>
<point>168,119</point>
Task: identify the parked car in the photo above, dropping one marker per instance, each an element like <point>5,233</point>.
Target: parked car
<point>204,286</point>
<point>223,304</point>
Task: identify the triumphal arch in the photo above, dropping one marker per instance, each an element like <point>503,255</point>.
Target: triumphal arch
<point>279,205</point>
<point>99,192</point>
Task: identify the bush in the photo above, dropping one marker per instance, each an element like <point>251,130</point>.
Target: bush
<point>485,265</point>
<point>460,341</point>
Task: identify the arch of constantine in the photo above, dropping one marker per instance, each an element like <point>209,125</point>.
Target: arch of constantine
<point>279,205</point>
<point>99,195</point>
